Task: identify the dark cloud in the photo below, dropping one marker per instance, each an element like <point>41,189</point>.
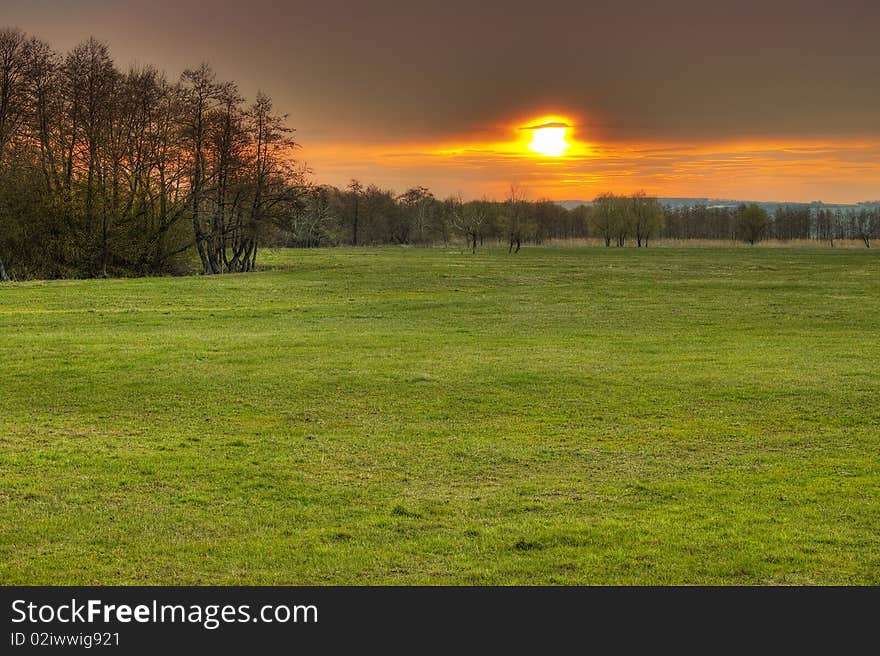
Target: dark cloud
<point>680,68</point>
<point>548,124</point>
<point>431,72</point>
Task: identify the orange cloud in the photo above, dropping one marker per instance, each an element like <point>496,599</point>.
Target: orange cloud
<point>797,170</point>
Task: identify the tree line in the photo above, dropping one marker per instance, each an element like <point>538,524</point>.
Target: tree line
<point>105,172</point>
<point>751,223</point>
<point>370,215</point>
<point>109,172</point>
<point>361,215</point>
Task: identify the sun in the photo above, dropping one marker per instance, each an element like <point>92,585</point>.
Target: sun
<point>548,138</point>
<point>549,141</point>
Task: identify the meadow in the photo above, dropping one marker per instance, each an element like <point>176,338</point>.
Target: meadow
<point>428,416</point>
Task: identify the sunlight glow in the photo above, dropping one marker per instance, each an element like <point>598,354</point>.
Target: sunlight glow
<point>549,140</point>
<point>480,164</point>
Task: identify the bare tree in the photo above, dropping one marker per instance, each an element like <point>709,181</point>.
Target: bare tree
<point>273,180</point>
<point>13,60</point>
<point>311,223</point>
<point>863,222</point>
<point>469,219</point>
<point>515,218</point>
<point>355,190</point>
<point>647,217</point>
<point>622,209</point>
<point>603,216</point>
<point>227,146</point>
<point>200,93</point>
<point>416,205</point>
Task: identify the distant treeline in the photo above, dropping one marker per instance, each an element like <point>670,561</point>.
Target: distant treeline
<point>105,172</point>
<point>752,224</point>
<point>359,215</point>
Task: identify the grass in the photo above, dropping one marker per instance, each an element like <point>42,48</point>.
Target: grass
<point>412,416</point>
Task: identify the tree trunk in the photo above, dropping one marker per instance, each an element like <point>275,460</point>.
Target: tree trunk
<point>105,255</point>
<point>242,257</point>
<point>200,246</point>
<point>354,232</point>
<point>3,276</point>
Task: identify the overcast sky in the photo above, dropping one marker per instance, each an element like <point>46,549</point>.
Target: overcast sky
<point>771,100</point>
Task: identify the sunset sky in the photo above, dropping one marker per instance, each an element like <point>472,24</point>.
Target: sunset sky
<point>769,100</point>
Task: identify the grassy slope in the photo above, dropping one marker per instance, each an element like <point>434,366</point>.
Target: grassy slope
<point>411,416</point>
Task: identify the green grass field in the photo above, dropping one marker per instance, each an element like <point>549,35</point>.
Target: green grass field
<point>413,416</point>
